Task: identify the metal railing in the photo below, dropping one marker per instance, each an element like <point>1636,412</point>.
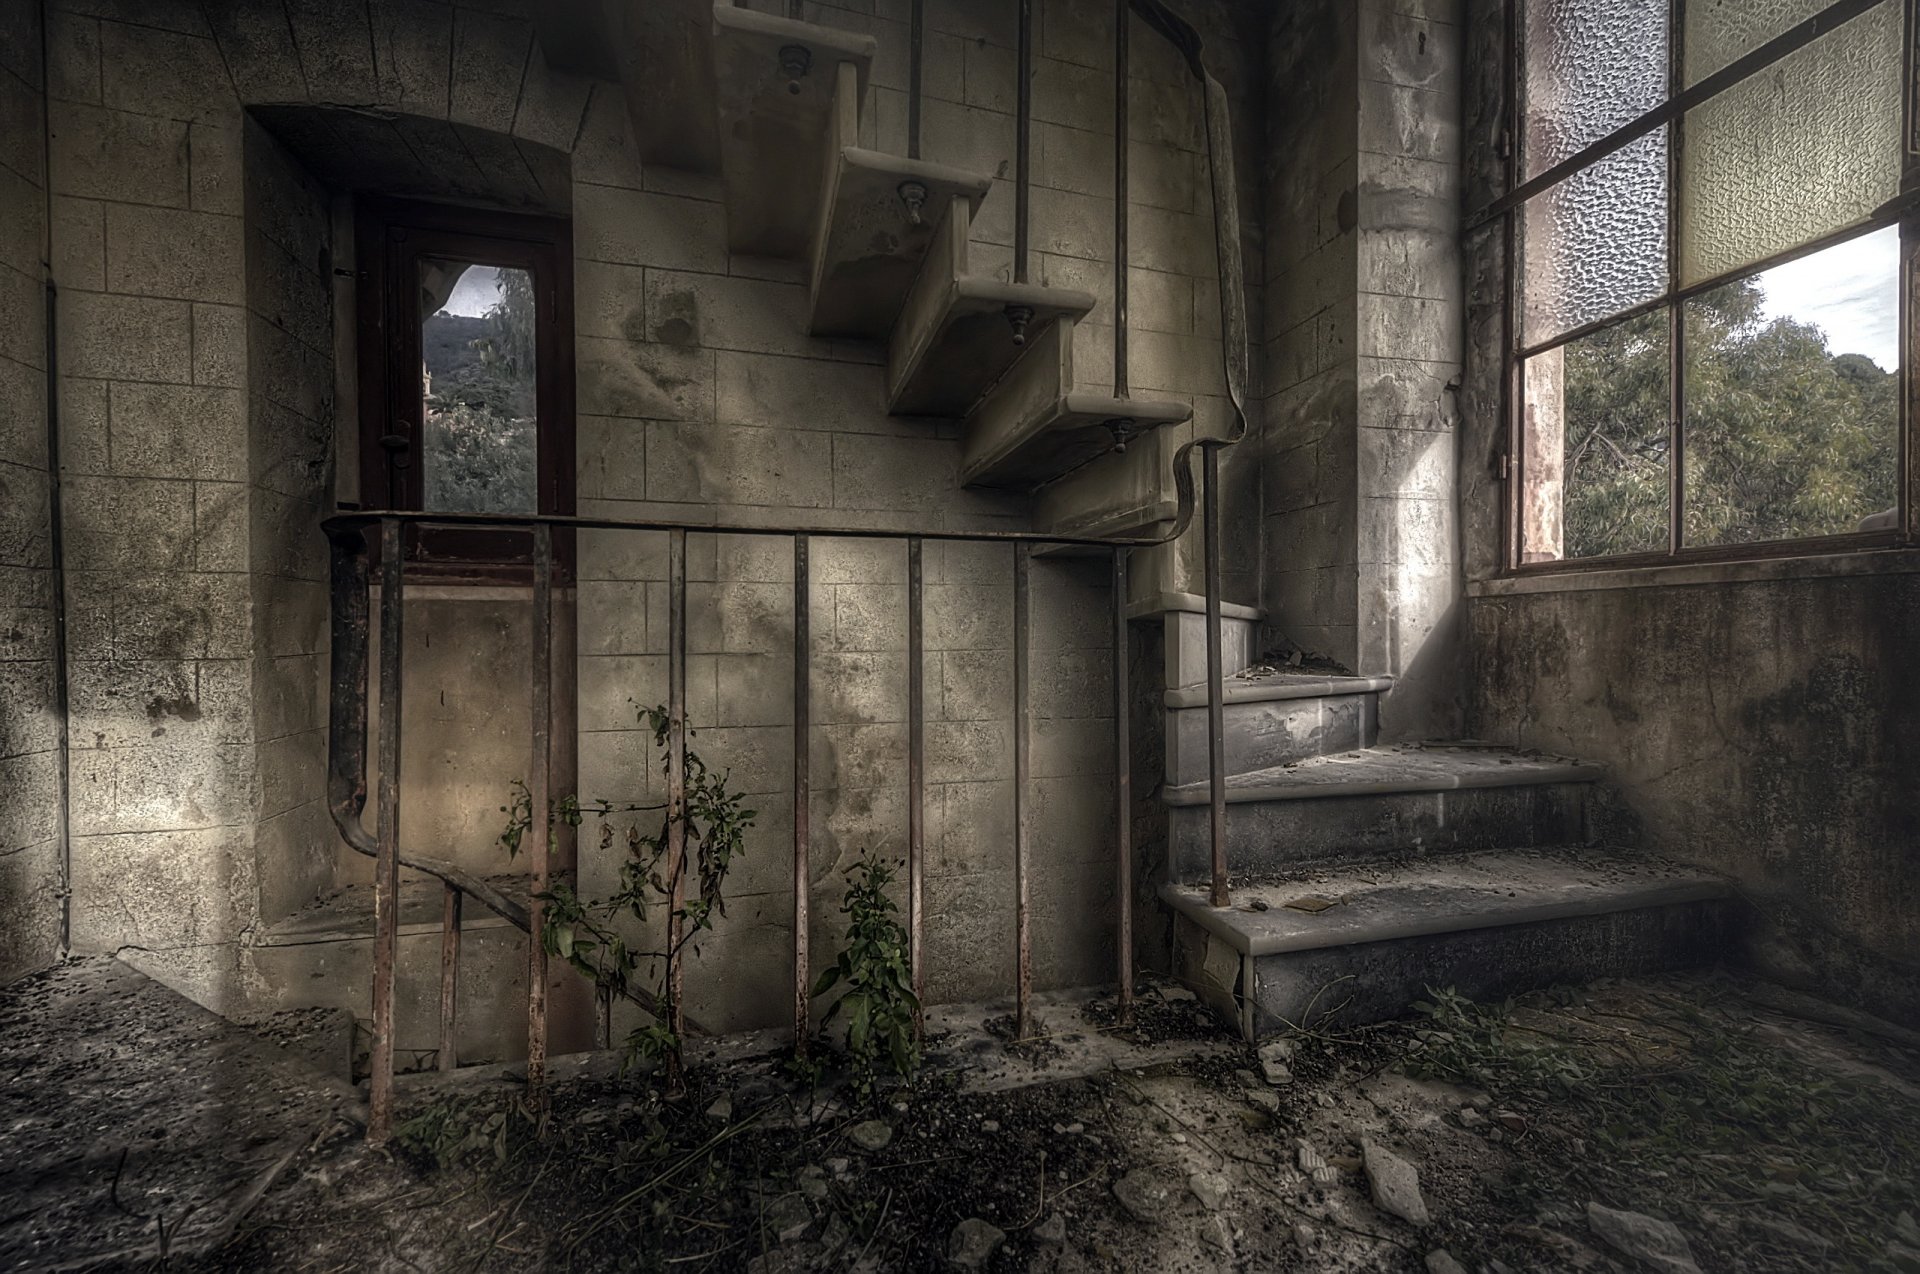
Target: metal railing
<point>352,583</point>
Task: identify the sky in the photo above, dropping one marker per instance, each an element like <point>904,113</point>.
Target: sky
<point>474,294</point>
<point>1849,291</point>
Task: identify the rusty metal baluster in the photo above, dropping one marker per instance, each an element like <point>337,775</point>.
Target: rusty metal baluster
<point>540,802</point>
<point>1216,679</point>
<point>916,777</point>
<point>386,868</point>
<point>1122,784</point>
<point>1022,562</point>
<point>449,974</point>
<point>676,796</point>
<point>802,788</point>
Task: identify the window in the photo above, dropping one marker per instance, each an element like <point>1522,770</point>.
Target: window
<point>1705,311</point>
<point>466,375</point>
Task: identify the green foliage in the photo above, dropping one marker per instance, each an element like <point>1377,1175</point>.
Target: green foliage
<point>1783,440</point>
<point>445,1134</point>
<point>587,933</point>
<point>481,444</point>
<point>877,980</point>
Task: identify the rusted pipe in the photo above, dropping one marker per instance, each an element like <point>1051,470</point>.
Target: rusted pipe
<point>386,870</point>
<point>802,790</point>
<point>1216,687</point>
<point>1023,947</point>
<point>539,788</point>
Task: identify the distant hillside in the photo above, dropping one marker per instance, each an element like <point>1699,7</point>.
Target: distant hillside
<point>446,343</point>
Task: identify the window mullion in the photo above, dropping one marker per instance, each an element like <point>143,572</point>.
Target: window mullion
<point>1676,326</point>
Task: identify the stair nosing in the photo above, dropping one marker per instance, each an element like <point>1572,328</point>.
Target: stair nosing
<point>1264,690</point>
<point>1537,774</point>
<point>1191,901</point>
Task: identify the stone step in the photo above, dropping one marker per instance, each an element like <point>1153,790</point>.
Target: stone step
<point>1273,719</point>
<point>878,218</point>
<point>954,338</point>
<point>1409,799</point>
<point>1487,924</point>
<point>1034,427</point>
<point>778,83</point>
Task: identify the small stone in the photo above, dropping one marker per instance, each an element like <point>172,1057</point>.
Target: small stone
<point>1273,1061</point>
<point>1216,1233</point>
<point>1496,1135</point>
<point>871,1135</point>
<point>722,1108</point>
<point>973,1243</point>
<point>1324,1100</point>
<point>1246,1077</point>
<point>788,1217</point>
<point>1655,1243</point>
<point>1471,1118</point>
<point>1211,1188</point>
<point>1304,1234</point>
<point>1144,1193</point>
<point>1395,1182</point>
<point>1440,1261</point>
<point>1265,1098</point>
<point>989,1125</point>
<point>1179,1139</point>
<point>1075,1129</point>
<point>1511,1121</point>
<point>838,1165</point>
<point>1053,1230</point>
<point>1480,1101</point>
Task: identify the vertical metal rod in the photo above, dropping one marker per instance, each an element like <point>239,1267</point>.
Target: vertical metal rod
<point>1023,145</point>
<point>676,796</point>
<point>1216,678</point>
<point>1022,588</point>
<point>1676,312</point>
<point>802,789</point>
<point>916,776</point>
<point>57,573</point>
<point>1122,17</point>
<point>1122,790</point>
<point>449,974</point>
<point>386,868</point>
<point>539,789</point>
<point>916,38</point>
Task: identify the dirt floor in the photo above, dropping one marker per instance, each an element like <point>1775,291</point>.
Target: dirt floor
<point>1653,1125</point>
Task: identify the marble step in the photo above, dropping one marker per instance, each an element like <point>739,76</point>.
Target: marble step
<point>1272,720</point>
<point>1488,924</point>
<point>1407,800</point>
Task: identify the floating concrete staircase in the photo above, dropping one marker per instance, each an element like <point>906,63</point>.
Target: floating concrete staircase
<point>886,238</point>
<point>1364,874</point>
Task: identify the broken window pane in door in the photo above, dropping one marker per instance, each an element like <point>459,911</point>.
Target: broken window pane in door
<point>1805,147</point>
<point>479,424</point>
<point>1791,397</point>
<point>1595,439</point>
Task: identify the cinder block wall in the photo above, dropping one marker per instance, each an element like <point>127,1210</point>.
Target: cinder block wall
<point>30,813</point>
<point>188,243</point>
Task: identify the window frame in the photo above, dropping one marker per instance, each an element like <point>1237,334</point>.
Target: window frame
<point>1508,208</point>
<point>391,236</point>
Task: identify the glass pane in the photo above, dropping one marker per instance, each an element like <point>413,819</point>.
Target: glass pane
<point>1596,243</point>
<point>1596,438</point>
<point>1721,31</point>
<point>1792,417</point>
<point>480,434</point>
<point>1805,147</point>
<point>1591,66</point>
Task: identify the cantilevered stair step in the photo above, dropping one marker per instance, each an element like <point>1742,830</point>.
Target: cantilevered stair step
<point>1370,940</point>
<point>776,83</point>
<point>663,52</point>
<point>1377,803</point>
<point>957,335</point>
<point>1273,719</point>
<point>1033,427</point>
<point>879,216</point>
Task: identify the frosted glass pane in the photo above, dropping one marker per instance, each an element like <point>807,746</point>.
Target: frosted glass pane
<point>1720,31</point>
<point>1591,66</point>
<point>1596,243</point>
<point>1792,397</point>
<point>1596,439</point>
<point>1807,146</point>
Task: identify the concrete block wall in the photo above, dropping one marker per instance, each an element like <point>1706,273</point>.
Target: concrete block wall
<point>1365,346</point>
<point>31,869</point>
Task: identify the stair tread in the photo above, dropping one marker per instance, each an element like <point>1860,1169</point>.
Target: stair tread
<point>1076,429</point>
<point>870,250</point>
<point>1268,687</point>
<point>970,345</point>
<point>1407,767</point>
<point>1380,902</point>
<point>772,140</point>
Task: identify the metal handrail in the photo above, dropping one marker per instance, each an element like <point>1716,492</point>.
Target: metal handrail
<point>352,581</point>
